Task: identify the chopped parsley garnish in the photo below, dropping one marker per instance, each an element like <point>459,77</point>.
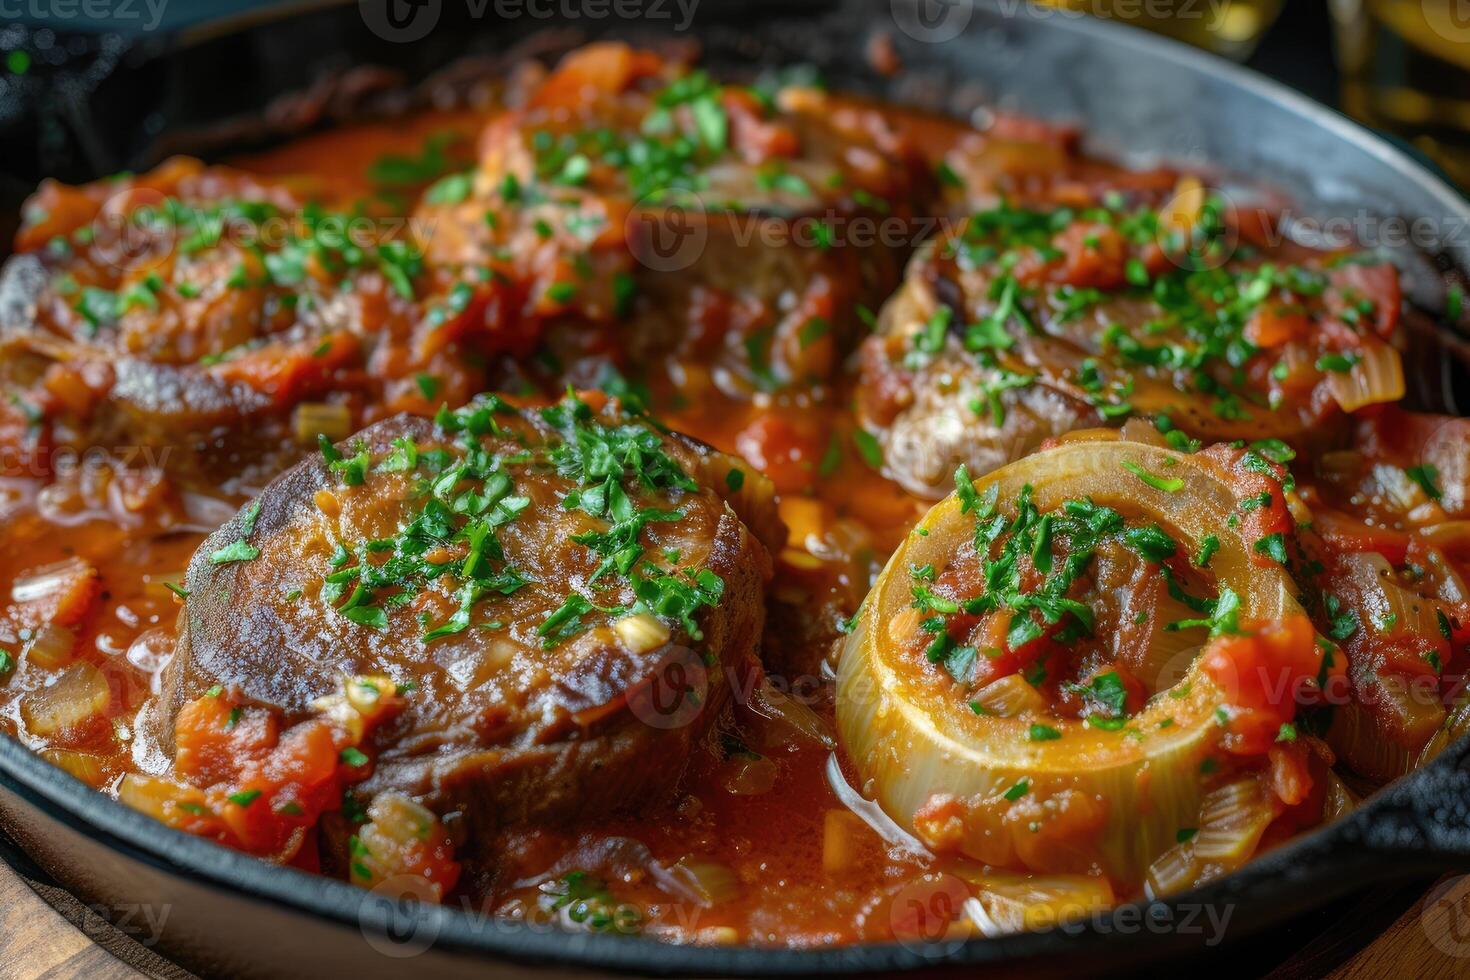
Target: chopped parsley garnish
<point>354,756</point>
<point>1342,622</point>
<point>1042,733</point>
<point>1171,484</point>
<point>1153,543</point>
<point>1426,476</point>
<point>1017,791</point>
<point>1273,546</point>
<point>1106,697</point>
<point>1337,363</point>
<point>1222,614</point>
<point>868,448</point>
<point>238,550</point>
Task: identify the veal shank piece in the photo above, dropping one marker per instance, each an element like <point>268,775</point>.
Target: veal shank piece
<point>1028,322</point>
<point>636,209</point>
<point>562,597</point>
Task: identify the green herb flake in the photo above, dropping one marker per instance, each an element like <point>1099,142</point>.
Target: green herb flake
<point>1171,484</point>
<point>245,797</point>
<point>354,757</point>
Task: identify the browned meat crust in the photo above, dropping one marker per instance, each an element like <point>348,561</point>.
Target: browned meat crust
<point>744,254</point>
<point>517,715</point>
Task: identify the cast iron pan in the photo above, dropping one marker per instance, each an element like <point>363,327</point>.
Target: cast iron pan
<point>108,103</point>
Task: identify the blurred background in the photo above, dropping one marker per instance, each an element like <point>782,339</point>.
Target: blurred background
<point>1401,66</point>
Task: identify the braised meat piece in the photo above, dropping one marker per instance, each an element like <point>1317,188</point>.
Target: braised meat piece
<point>1027,323</point>
<point>563,599</point>
<point>172,308</point>
<point>637,210</point>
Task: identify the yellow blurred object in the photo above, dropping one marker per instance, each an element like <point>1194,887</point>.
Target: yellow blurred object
<point>1406,68</point>
<point>1227,27</point>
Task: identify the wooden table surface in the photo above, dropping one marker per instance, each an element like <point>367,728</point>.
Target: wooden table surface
<point>36,941</point>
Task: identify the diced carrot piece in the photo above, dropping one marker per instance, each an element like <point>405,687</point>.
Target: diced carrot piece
<point>290,373</point>
<point>604,68</point>
<point>1094,256</point>
<point>61,594</point>
<point>1272,326</point>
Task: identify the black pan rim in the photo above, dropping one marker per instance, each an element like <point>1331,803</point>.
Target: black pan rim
<point>140,838</point>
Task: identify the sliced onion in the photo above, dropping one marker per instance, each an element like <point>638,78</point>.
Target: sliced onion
<point>1174,871</point>
<point>51,648</point>
<point>1143,430</point>
<point>713,883</point>
<point>1377,377</point>
<point>752,496</point>
<point>314,419</point>
<point>1011,903</point>
<point>1452,585</point>
<point>1170,653</point>
<point>1384,600</point>
<point>1402,493</point>
<point>1340,799</point>
<point>1362,746</point>
<point>792,715</point>
<point>750,775</point>
<point>1451,536</point>
<point>916,741</point>
<point>1456,724</point>
<point>1231,822</point>
<point>1009,697</point>
<point>1357,736</point>
<point>83,765</point>
<point>871,813</point>
<point>79,695</point>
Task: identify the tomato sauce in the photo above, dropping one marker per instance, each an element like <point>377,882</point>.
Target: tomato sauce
<point>765,842</point>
